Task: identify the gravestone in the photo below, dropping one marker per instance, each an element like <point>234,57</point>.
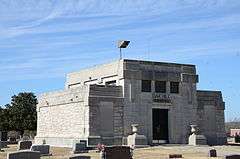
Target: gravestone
<point>43,149</point>
<point>212,153</point>
<point>117,152</point>
<point>80,157</point>
<point>24,145</point>
<point>175,156</point>
<point>25,137</point>
<point>24,155</point>
<point>3,139</point>
<point>80,147</point>
<point>4,144</point>
<point>12,139</point>
<point>232,157</point>
<point>3,135</point>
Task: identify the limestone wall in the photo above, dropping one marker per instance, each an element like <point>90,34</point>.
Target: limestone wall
<point>96,75</point>
<point>211,116</point>
<point>106,115</point>
<point>63,116</point>
<point>138,105</point>
<point>90,112</point>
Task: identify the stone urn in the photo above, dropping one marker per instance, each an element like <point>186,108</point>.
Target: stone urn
<point>44,142</point>
<point>134,128</point>
<point>193,129</point>
<point>136,140</point>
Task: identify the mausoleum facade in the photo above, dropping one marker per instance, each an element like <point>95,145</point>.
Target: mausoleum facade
<point>100,104</point>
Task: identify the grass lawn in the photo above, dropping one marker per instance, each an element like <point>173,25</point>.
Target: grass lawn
<point>158,152</point>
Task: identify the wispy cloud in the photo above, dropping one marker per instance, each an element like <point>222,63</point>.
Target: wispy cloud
<point>44,39</point>
<point>34,14</point>
<point>36,35</point>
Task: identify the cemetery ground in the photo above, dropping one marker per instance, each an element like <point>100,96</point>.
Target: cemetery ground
<point>157,152</point>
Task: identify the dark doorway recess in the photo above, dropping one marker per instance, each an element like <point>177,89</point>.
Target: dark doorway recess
<point>160,124</point>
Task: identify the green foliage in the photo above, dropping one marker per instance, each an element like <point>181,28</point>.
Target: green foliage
<point>13,134</point>
<point>21,114</point>
<point>237,139</point>
<point>4,118</point>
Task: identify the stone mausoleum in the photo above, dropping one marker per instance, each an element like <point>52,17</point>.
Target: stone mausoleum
<point>100,104</point>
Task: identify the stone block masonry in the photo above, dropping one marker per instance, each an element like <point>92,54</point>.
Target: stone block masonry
<point>100,104</point>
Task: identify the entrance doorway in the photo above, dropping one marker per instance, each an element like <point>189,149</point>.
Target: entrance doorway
<point>160,125</point>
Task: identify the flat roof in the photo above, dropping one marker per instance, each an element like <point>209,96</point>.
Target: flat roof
<point>157,63</point>
<point>134,61</point>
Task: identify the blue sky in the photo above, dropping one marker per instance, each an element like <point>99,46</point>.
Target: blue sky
<point>42,40</point>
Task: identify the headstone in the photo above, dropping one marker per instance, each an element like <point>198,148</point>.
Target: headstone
<point>25,138</point>
<point>24,145</point>
<point>80,147</point>
<point>117,152</point>
<point>175,156</point>
<point>3,135</point>
<point>80,157</point>
<point>212,153</point>
<point>4,144</point>
<point>135,139</point>
<point>24,155</point>
<point>196,139</point>
<point>43,149</point>
<point>3,139</point>
<point>12,139</point>
<point>232,157</point>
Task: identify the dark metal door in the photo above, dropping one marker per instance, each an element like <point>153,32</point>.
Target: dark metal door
<point>160,124</point>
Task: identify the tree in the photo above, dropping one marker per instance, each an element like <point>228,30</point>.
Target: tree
<point>234,124</point>
<point>4,119</point>
<point>22,112</point>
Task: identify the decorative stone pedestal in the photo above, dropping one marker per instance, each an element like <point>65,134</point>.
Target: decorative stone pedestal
<point>135,139</point>
<point>195,139</point>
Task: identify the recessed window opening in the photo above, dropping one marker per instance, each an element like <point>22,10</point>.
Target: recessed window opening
<point>174,87</point>
<point>146,85</point>
<point>160,86</point>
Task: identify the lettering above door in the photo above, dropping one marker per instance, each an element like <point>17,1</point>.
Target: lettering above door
<point>161,98</point>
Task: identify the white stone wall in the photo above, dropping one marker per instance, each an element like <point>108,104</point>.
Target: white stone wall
<point>96,75</point>
<point>63,115</point>
<point>62,121</point>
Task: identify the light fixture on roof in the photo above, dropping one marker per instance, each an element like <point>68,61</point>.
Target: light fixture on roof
<point>122,44</point>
